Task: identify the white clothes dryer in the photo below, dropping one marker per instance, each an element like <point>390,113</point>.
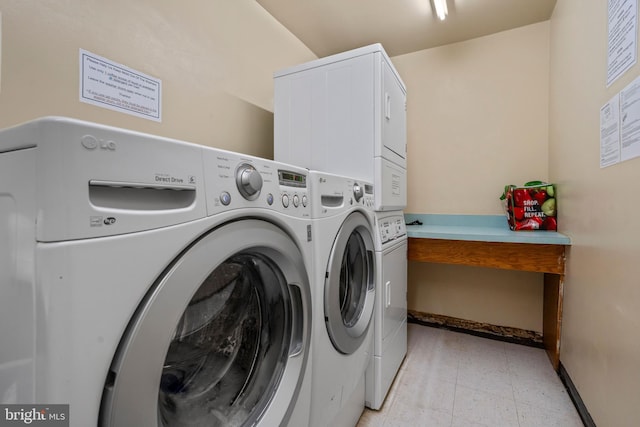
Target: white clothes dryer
<point>343,298</point>
<point>150,282</point>
<point>390,314</point>
<point>346,114</point>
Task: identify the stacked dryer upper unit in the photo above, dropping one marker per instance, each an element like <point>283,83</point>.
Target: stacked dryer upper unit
<point>150,282</point>
<point>343,298</point>
<point>346,114</point>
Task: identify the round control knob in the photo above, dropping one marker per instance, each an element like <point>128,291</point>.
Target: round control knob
<point>357,192</point>
<point>249,181</point>
<point>285,200</point>
<point>296,200</point>
<point>304,200</point>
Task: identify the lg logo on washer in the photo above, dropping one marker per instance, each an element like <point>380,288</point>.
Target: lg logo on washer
<point>90,142</point>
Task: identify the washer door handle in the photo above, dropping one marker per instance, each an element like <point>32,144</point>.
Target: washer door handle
<point>387,293</point>
<point>297,321</point>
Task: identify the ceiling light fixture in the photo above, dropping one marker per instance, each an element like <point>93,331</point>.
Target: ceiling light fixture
<point>441,8</point>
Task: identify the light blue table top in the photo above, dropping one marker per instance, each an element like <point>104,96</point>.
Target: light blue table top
<point>482,228</point>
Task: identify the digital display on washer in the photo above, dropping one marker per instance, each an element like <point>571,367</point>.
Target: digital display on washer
<point>368,189</point>
<point>292,179</point>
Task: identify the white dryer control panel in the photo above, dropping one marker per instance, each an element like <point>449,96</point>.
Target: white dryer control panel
<point>391,228</point>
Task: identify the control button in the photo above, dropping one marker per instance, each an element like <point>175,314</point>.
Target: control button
<point>269,199</point>
<point>296,200</point>
<point>248,181</point>
<point>304,200</point>
<point>285,200</point>
<point>225,198</point>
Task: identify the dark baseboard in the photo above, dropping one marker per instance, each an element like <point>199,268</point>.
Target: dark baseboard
<point>485,330</point>
<point>575,397</point>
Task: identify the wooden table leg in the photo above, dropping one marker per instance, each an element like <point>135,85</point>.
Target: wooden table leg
<point>552,316</point>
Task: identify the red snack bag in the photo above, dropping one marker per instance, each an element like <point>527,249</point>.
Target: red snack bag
<point>531,207</point>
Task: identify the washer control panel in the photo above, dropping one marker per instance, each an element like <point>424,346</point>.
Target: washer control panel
<point>362,194</point>
<point>334,193</point>
<point>233,180</point>
<point>294,188</point>
<point>368,196</point>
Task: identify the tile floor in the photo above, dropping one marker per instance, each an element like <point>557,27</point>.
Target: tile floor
<point>453,379</point>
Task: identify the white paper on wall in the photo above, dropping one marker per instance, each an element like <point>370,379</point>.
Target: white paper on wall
<point>622,40</point>
<point>620,126</point>
<point>630,121</point>
<point>107,84</point>
<point>610,132</point>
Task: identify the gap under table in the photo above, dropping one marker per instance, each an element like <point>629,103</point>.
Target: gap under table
<point>487,241</point>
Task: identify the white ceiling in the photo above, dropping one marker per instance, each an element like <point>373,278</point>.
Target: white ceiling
<point>402,26</point>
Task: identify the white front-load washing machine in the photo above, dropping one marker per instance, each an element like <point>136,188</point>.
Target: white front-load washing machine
<point>151,282</point>
<point>343,298</point>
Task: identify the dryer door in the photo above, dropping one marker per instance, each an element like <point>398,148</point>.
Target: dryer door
<point>349,290</point>
<point>221,339</point>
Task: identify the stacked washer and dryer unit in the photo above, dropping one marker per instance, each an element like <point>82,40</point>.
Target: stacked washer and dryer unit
<point>150,282</point>
<point>345,115</point>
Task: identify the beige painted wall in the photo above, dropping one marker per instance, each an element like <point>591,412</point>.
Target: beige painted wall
<point>600,346</point>
<point>477,120</point>
<point>215,58</point>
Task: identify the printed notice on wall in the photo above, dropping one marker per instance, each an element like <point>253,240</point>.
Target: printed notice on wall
<point>620,126</point>
<point>630,121</point>
<point>622,29</point>
<point>610,132</point>
<point>111,85</point>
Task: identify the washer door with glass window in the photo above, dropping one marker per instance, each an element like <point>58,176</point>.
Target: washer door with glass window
<point>349,290</point>
<point>221,338</point>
